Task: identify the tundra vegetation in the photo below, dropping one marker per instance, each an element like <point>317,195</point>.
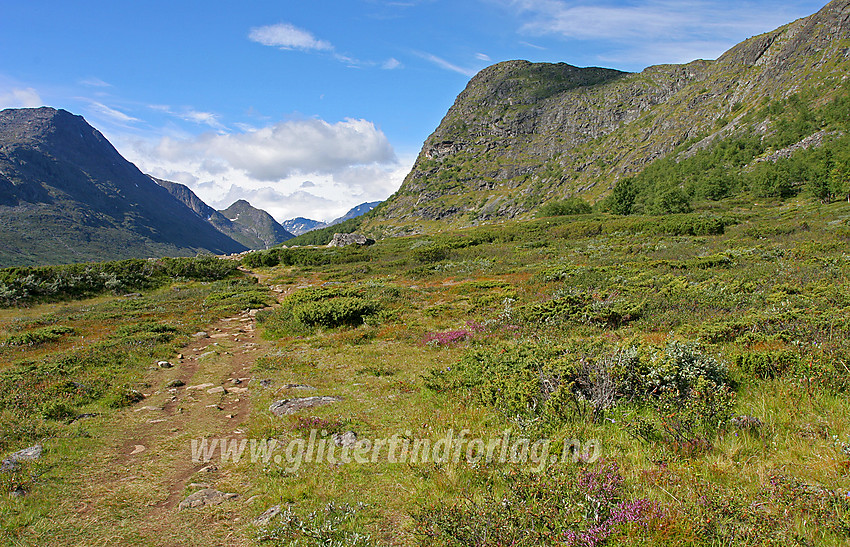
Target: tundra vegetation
<point>706,350</point>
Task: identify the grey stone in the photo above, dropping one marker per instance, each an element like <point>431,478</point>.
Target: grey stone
<point>177,382</point>
<point>746,422</point>
<point>164,364</point>
<point>290,406</point>
<point>12,463</point>
<point>270,513</point>
<point>201,334</point>
<point>343,240</point>
<point>347,439</point>
<point>207,496</point>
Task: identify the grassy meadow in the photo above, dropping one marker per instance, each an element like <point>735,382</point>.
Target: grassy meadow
<point>699,361</point>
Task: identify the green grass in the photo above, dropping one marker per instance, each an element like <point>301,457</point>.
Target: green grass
<point>654,338</point>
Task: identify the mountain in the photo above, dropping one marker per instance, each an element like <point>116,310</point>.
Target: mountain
<point>355,212</point>
<point>522,134</point>
<point>254,228</point>
<point>66,195</point>
<point>255,223</point>
<point>301,225</point>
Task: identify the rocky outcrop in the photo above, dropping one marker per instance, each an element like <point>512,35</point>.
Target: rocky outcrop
<point>529,133</point>
<point>344,240</point>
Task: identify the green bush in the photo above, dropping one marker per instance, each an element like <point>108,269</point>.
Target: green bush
<point>120,397</point>
<point>57,410</point>
<point>334,313</point>
<point>38,336</point>
<point>569,206</point>
<point>767,364</point>
<point>679,366</point>
<point>506,376</point>
<point>53,283</point>
<point>608,311</point>
<point>329,307</point>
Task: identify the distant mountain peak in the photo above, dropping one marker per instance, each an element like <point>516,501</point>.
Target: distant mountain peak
<point>251,227</point>
<point>67,195</point>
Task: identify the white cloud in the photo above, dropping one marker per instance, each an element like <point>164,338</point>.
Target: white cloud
<point>113,114</point>
<point>94,82</point>
<point>191,115</point>
<point>483,57</point>
<point>653,31</point>
<point>287,148</point>
<point>442,63</point>
<point>533,46</point>
<point>20,98</point>
<point>342,164</point>
<point>286,36</point>
<point>391,64</point>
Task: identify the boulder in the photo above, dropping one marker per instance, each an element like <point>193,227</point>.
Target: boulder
<point>343,240</point>
<point>12,463</point>
<point>290,406</point>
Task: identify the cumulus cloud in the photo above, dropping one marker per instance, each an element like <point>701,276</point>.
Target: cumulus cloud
<point>309,168</point>
<point>20,98</point>
<point>287,148</point>
<point>286,36</point>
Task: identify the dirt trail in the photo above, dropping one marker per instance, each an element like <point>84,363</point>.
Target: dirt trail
<point>152,461</point>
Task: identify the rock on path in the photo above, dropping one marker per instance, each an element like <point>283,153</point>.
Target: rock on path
<point>207,496</point>
<point>290,406</point>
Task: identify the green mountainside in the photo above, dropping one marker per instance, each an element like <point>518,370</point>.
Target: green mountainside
<point>522,134</point>
<point>66,195</point>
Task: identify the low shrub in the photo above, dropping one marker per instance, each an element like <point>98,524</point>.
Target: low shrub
<point>767,364</point>
<point>333,524</point>
<point>52,283</point>
<point>602,310</point>
<point>566,505</point>
<point>336,312</point>
<point>569,206</point>
<point>38,336</point>
<point>326,307</point>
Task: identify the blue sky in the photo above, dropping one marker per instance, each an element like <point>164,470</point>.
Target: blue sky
<point>308,108</point>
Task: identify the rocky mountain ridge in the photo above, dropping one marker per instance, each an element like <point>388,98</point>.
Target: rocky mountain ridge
<point>522,134</point>
<point>66,195</point>
<point>254,228</point>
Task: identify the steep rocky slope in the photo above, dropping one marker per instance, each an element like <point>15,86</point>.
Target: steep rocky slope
<point>66,195</point>
<point>251,222</point>
<point>255,228</point>
<point>522,134</point>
